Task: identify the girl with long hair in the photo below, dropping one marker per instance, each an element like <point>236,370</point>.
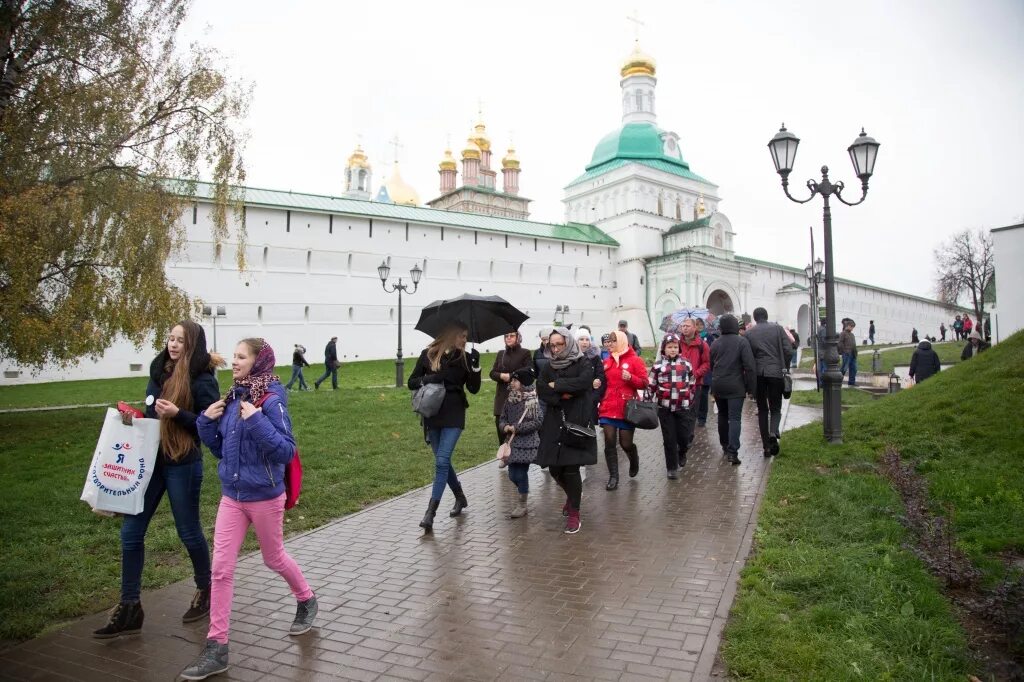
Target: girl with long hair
<point>182,383</point>
<point>625,374</point>
<point>445,361</point>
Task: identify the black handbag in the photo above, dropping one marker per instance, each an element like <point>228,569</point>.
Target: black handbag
<point>787,380</point>
<point>642,413</point>
<point>576,436</point>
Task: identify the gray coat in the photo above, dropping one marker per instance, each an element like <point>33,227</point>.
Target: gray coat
<point>771,348</point>
<point>527,438</point>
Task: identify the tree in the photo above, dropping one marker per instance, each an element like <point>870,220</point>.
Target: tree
<point>965,266</point>
<point>99,107</point>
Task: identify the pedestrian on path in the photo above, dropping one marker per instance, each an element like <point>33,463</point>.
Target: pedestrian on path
<point>591,353</point>
<point>848,349</point>
<point>633,339</point>
<point>693,348</point>
<point>914,338</point>
<point>942,331</point>
<point>772,352</point>
<point>958,328</point>
<point>509,360</point>
<point>735,376</point>
<point>673,382</point>
<point>331,364</point>
<point>566,386</point>
<point>871,332</point>
<point>796,346</point>
<point>445,361</point>
<point>924,362</point>
<point>520,421</point>
<point>625,374</point>
<point>709,333</point>
<point>975,345</point>
<point>968,326</point>
<point>183,383</point>
<point>254,445</point>
<point>298,362</point>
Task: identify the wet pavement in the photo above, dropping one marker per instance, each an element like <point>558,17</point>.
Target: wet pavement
<point>642,592</point>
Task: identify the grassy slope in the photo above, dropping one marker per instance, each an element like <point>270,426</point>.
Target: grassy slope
<point>830,592</point>
<point>849,397</point>
<point>358,447</point>
<point>949,354</point>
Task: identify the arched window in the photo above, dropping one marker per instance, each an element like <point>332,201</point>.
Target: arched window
<point>305,314</point>
<point>639,100</point>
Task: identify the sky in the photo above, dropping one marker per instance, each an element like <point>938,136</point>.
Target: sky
<point>937,82</point>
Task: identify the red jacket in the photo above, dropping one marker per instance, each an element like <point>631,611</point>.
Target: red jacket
<point>618,392</point>
<point>699,355</point>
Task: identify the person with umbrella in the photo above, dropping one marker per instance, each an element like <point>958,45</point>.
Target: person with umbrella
<point>445,361</point>
<point>566,386</point>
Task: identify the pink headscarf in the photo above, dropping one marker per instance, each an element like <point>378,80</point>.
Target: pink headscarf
<point>259,378</point>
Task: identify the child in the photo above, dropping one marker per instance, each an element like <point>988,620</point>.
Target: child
<point>672,380</point>
<point>520,419</point>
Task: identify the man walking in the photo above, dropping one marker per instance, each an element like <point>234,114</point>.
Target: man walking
<point>942,330</point>
<point>772,353</point>
<point>735,372</point>
<point>331,364</point>
<point>871,332</point>
<point>298,362</point>
<point>634,342</point>
<point>848,350</point>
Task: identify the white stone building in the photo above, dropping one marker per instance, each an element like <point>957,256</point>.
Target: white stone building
<point>643,236</point>
<point>1008,248</point>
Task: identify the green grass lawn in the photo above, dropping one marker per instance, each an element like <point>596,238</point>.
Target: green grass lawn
<point>830,591</point>
<point>849,397</point>
<point>808,357</point>
<point>949,354</point>
<point>61,561</point>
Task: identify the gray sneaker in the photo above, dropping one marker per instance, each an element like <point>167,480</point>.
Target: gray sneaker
<point>305,614</point>
<point>212,661</point>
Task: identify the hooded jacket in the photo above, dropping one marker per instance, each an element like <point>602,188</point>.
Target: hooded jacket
<point>618,391</point>
<point>735,372</point>
<point>253,452</point>
<point>698,353</point>
<point>924,362</point>
<point>672,380</point>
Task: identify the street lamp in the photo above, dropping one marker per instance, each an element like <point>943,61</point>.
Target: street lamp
<point>815,277</point>
<point>211,311</point>
<point>863,154</point>
<point>415,274</point>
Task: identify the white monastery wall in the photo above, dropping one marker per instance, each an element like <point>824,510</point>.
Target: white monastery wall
<point>1008,243</point>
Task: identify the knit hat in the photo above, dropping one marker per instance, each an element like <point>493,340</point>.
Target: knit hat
<point>524,376</point>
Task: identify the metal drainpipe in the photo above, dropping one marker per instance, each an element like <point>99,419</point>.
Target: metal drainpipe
<point>647,303</point>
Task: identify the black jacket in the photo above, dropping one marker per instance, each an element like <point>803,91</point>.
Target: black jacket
<point>507,362</point>
<point>771,349</point>
<point>924,362</point>
<point>965,354</point>
<point>732,363</point>
<point>458,376</point>
<point>330,353</point>
<point>299,359</point>
<point>598,364</point>
<point>205,392</point>
<point>576,381</point>
<point>540,361</point>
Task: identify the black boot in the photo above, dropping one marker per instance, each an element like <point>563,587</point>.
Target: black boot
<point>199,608</point>
<point>460,503</point>
<point>611,458</point>
<point>634,461</point>
<point>125,619</point>
<point>427,523</point>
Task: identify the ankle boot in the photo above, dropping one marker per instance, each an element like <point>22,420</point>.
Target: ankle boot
<point>199,608</point>
<point>634,461</point>
<point>460,503</point>
<point>427,523</point>
<point>611,458</point>
<point>125,619</point>
<point>520,509</point>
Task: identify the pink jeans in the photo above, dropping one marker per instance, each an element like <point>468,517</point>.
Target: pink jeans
<point>233,519</point>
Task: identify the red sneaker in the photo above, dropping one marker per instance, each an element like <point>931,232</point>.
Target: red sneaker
<point>572,524</point>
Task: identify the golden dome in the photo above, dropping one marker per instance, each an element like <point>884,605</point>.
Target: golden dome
<point>400,191</point>
<point>510,160</point>
<point>638,63</point>
<point>472,150</point>
<point>358,159</point>
<point>448,162</point>
<point>479,136</point>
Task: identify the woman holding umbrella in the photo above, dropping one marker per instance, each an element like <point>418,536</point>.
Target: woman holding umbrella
<point>566,386</point>
<point>445,361</point>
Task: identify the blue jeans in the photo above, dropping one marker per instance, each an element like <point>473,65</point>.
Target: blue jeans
<point>520,475</point>
<point>442,442</point>
<point>702,405</point>
<point>328,372</point>
<point>182,484</point>
<point>729,412</point>
<point>297,374</point>
<point>850,363</point>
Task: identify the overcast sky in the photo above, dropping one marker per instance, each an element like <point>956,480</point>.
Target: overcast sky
<point>939,83</point>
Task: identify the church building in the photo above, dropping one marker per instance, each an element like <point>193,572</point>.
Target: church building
<point>643,235</point>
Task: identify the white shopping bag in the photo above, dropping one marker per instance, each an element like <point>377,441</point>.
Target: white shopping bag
<point>122,465</point>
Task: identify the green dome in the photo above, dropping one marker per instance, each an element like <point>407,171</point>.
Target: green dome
<point>635,141</point>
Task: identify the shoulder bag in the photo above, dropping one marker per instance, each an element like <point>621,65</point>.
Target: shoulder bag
<point>427,400</point>
<point>787,380</point>
<point>576,436</point>
<point>505,449</point>
<point>642,412</point>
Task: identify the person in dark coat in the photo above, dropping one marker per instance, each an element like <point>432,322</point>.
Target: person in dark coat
<point>975,345</point>
<point>914,338</point>
<point>566,386</point>
<point>182,383</point>
<point>924,362</point>
<point>445,361</point>
<point>298,362</point>
<point>511,358</point>
<point>942,331</point>
<point>331,364</point>
<point>520,421</point>
<point>772,353</point>
<point>591,352</point>
<point>735,377</point>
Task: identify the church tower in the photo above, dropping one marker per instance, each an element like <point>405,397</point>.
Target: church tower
<point>510,172</point>
<point>638,83</point>
<point>358,175</point>
<point>447,170</point>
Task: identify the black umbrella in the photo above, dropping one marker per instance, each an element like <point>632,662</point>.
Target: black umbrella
<point>484,316</point>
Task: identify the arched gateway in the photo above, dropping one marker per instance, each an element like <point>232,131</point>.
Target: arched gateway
<point>719,302</point>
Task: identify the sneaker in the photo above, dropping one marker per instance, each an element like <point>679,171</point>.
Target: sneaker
<point>573,523</point>
<point>200,607</point>
<point>673,474</point>
<point>213,660</point>
<point>125,619</point>
<point>305,614</point>
<point>566,508</point>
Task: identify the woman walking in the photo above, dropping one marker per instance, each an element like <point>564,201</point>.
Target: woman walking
<point>250,431</point>
<point>298,362</point>
<point>591,353</point>
<point>520,421</point>
<point>625,374</point>
<point>182,382</point>
<point>445,361</point>
<point>673,381</point>
<point>566,386</point>
<point>510,359</point>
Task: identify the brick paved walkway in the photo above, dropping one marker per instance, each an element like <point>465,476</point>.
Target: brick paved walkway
<point>642,592</point>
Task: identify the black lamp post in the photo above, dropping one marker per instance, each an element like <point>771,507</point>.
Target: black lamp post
<point>815,277</point>
<point>863,153</point>
<point>383,271</point>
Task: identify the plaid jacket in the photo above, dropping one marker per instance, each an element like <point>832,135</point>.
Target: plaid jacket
<point>672,382</point>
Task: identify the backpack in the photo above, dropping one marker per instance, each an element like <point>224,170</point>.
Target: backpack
<point>292,470</point>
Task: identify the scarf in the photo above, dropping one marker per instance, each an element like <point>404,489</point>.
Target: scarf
<point>258,380</point>
<point>620,344</point>
<point>569,354</point>
<point>528,396</point>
